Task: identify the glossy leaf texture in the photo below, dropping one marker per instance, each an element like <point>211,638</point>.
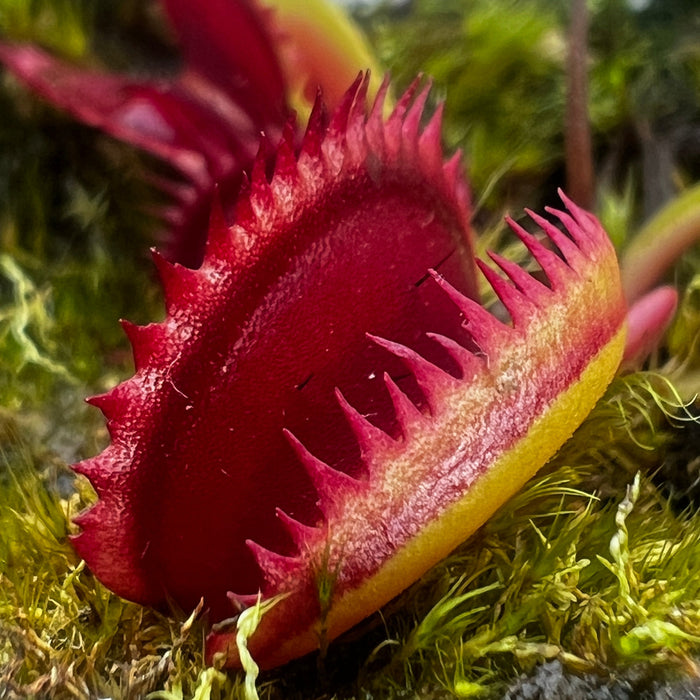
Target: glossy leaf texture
<point>523,386</point>
<point>326,410</point>
<point>336,244</point>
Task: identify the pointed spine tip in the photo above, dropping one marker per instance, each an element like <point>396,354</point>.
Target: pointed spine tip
<point>583,228</point>
<point>373,441</point>
<point>285,172</point>
<point>432,380</point>
<point>411,123</point>
<point>581,215</point>
<point>300,533</point>
<point>178,282</point>
<point>394,125</point>
<point>430,143</point>
<point>109,403</point>
<point>531,288</point>
<point>569,248</point>
<point>339,119</point>
<point>330,484</point>
<point>144,340</point>
<point>310,150</point>
<point>518,306</point>
<point>355,139</point>
<point>486,330</point>
<point>218,238</point>
<point>557,271</point>
<point>587,225</point>
<point>99,477</point>
<point>408,416</point>
<point>260,196</point>
<point>277,569</point>
<point>469,364</point>
<point>374,128</point>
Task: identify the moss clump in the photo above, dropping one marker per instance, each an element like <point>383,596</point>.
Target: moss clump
<point>577,568</point>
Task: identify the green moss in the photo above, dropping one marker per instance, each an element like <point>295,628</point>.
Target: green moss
<point>570,569</point>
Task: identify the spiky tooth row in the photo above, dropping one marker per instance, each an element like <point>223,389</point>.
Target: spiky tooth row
<point>430,378</point>
<point>346,144</point>
<point>490,334</point>
<point>411,420</point>
<point>519,307</point>
<point>278,570</point>
<point>552,265</point>
<point>485,434</point>
<point>176,486</point>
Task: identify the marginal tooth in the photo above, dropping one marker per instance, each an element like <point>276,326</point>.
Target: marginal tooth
<point>569,249</point>
<point>373,442</point>
<point>330,484</point>
<point>259,169</point>
<point>430,144</point>
<point>243,213</point>
<point>469,364</point>
<point>301,534</point>
<point>586,239</point>
<point>286,172</point>
<point>261,198</point>
<point>412,121</point>
<point>432,380</point>
<point>276,568</point>
<point>101,480</point>
<point>404,102</point>
<point>145,340</point>
<point>558,272</point>
<point>518,306</point>
<point>339,119</point>
<point>354,136</point>
<point>116,406</point>
<point>333,145</point>
<point>180,284</point>
<point>96,514</point>
<point>394,124</point>
<point>310,162</point>
<point>110,403</point>
<point>407,413</point>
<point>533,289</point>
<point>487,331</point>
<point>452,172</point>
<point>219,239</point>
<point>375,122</point>
<point>586,223</point>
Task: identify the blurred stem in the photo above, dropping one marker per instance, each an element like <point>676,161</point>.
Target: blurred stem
<point>661,242</point>
<point>579,161</point>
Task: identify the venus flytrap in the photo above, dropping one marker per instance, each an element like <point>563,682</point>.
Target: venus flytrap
<point>258,386</point>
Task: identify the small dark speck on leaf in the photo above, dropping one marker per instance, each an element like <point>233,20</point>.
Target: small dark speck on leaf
<point>435,267</point>
<point>301,385</point>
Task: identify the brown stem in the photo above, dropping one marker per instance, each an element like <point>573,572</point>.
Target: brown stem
<point>579,159</point>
